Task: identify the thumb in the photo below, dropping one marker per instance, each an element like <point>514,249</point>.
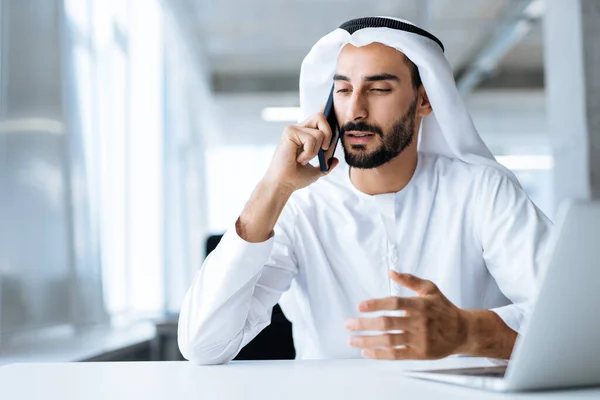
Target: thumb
<point>423,287</point>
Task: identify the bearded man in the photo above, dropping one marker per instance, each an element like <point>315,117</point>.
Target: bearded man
<point>416,244</point>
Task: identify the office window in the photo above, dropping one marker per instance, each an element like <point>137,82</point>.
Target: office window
<point>129,76</point>
<point>97,231</point>
<point>146,163</point>
<point>112,83</point>
<point>119,78</point>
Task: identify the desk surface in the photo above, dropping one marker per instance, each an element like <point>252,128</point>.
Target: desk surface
<point>335,379</point>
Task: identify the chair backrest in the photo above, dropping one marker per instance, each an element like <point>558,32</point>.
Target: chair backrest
<point>211,243</point>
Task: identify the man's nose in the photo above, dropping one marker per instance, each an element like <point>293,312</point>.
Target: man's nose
<point>357,109</point>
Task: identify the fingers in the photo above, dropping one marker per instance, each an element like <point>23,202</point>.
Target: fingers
<point>311,134</point>
<point>421,286</point>
<point>378,341</point>
<point>324,127</point>
<point>405,353</point>
<point>378,324</point>
<point>319,122</point>
<point>309,141</point>
<point>389,303</point>
<point>309,148</point>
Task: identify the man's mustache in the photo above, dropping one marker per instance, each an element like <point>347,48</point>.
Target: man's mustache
<point>361,127</point>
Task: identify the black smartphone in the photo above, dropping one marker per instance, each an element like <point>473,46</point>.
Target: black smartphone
<point>325,157</point>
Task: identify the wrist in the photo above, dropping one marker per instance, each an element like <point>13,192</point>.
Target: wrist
<point>486,335</point>
<point>276,187</point>
<point>467,324</point>
<point>258,219</point>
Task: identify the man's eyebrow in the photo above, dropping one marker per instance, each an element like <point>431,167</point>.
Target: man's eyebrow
<point>381,77</point>
<point>338,77</point>
<point>370,78</point>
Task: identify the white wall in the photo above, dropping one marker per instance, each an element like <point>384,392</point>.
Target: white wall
<point>511,121</point>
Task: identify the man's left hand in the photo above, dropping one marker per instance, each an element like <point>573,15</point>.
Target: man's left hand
<point>432,327</point>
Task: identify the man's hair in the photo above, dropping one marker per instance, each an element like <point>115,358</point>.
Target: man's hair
<point>414,73</point>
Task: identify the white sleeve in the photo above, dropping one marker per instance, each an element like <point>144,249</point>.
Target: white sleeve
<point>232,295</point>
<point>515,237</point>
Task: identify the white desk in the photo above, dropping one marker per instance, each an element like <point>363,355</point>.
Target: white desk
<point>336,379</point>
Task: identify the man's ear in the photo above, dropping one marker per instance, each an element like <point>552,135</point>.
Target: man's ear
<point>424,108</point>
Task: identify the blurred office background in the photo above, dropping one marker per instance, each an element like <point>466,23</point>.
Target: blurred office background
<point>133,130</point>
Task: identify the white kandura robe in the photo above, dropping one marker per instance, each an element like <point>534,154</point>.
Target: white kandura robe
<point>468,228</point>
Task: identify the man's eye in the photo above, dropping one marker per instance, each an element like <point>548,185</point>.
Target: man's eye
<point>342,91</point>
<point>381,90</point>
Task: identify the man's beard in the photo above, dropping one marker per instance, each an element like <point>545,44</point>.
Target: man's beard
<point>392,144</point>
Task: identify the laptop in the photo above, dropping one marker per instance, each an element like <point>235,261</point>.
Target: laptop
<point>560,344</point>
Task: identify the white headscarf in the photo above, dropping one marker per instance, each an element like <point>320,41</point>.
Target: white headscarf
<point>448,130</point>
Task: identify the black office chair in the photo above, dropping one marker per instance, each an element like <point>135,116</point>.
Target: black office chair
<point>275,341</point>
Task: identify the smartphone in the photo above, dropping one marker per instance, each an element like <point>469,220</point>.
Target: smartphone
<point>325,157</point>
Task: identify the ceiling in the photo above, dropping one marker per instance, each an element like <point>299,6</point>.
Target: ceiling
<point>258,45</point>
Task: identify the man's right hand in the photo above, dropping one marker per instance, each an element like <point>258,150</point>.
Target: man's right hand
<point>299,144</point>
<point>289,171</point>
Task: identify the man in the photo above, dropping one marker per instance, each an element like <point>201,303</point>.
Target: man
<point>418,246</point>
